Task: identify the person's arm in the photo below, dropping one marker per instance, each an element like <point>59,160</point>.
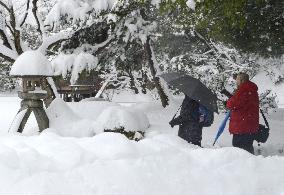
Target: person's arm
<point>226,93</point>
<point>186,114</point>
<point>182,118</point>
<point>238,100</point>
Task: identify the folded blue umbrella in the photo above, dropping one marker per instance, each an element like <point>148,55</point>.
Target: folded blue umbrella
<point>222,127</point>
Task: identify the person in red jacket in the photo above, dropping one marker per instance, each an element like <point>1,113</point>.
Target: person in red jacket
<point>244,107</point>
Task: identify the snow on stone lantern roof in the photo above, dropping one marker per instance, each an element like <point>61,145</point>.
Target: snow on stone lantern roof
<point>31,63</point>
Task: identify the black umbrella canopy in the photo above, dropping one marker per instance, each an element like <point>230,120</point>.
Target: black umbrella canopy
<point>193,88</point>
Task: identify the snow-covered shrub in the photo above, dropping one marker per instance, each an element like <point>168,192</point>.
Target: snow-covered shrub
<point>6,82</point>
<point>118,117</point>
<point>132,135</point>
<point>268,101</point>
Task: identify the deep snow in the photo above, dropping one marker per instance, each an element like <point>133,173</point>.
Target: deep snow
<point>108,163</point>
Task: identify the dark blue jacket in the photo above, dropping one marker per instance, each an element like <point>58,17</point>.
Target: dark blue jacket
<point>189,127</point>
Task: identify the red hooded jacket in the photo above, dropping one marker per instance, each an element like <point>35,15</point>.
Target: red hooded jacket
<point>244,106</point>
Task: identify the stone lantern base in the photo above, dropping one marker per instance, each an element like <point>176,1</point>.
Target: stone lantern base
<point>32,102</point>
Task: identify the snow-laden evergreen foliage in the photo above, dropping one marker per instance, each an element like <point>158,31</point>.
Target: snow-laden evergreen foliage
<point>129,43</point>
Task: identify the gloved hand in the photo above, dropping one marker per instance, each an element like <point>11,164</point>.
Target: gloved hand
<point>223,91</point>
<point>171,123</point>
<point>226,93</point>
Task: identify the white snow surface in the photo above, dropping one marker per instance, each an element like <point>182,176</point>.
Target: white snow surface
<point>31,63</point>
<point>109,163</point>
<point>63,121</point>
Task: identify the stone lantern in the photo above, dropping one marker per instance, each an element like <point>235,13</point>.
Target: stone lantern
<point>33,68</point>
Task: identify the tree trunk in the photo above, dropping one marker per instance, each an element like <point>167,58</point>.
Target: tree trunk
<point>144,82</point>
<point>132,82</point>
<point>161,92</point>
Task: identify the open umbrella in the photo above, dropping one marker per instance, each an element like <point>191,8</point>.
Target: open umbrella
<point>222,127</point>
<point>193,88</point>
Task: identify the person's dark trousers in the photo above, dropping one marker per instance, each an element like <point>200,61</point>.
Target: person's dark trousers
<point>191,132</point>
<point>244,141</point>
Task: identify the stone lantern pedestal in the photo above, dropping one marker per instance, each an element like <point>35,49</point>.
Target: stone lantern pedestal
<point>32,102</point>
<point>32,97</point>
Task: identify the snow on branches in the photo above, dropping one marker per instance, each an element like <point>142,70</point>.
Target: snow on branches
<point>20,17</point>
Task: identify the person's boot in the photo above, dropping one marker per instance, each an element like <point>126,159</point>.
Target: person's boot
<point>197,143</point>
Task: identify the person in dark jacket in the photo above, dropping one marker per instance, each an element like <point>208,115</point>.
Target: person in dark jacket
<point>189,127</point>
<point>244,107</point>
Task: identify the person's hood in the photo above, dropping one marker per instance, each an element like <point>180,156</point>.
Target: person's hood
<point>248,85</point>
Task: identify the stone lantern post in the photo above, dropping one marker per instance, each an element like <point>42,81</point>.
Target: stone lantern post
<point>33,68</point>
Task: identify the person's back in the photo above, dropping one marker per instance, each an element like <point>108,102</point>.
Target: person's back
<point>188,120</point>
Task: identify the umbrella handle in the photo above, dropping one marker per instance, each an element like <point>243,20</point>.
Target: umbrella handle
<point>176,112</point>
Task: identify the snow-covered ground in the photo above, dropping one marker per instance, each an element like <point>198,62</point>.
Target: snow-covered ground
<point>109,163</point>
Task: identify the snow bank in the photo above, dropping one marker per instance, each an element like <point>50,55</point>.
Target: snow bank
<point>31,63</point>
<point>111,164</point>
<point>63,121</point>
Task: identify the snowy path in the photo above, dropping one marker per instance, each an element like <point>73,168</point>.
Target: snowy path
<point>110,164</point>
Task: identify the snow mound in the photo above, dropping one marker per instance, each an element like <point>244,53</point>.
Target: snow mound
<point>109,115</point>
<point>63,121</point>
<point>31,63</point>
<point>118,116</point>
<point>90,109</point>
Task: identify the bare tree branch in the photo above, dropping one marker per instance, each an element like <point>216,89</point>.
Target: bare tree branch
<point>26,14</point>
<point>5,39</point>
<point>2,33</point>
<point>34,10</point>
<point>5,51</point>
<point>56,44</point>
<point>7,58</point>
<point>13,29</point>
<point>53,42</point>
<point>149,52</point>
<point>5,6</point>
<point>9,27</point>
<point>103,45</point>
<point>16,32</point>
